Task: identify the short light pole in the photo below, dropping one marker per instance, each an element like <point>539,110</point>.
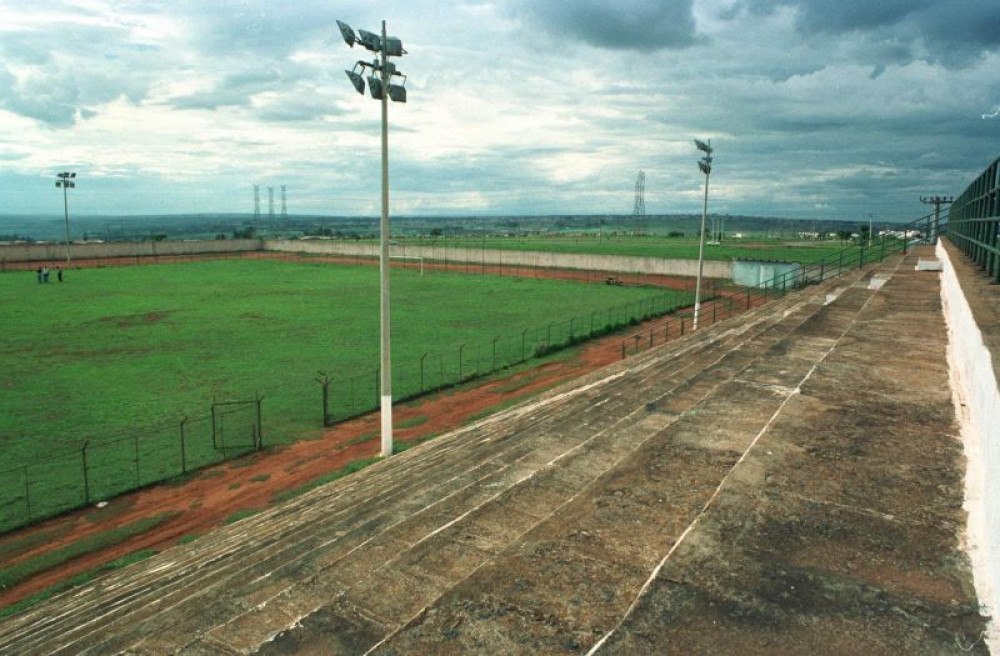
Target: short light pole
<point>66,180</point>
<point>705,164</point>
<point>381,88</point>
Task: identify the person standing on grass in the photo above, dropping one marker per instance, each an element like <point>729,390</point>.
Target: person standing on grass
<point>39,272</point>
<point>45,274</point>
<point>59,274</point>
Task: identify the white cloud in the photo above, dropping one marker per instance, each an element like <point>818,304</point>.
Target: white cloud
<point>514,106</point>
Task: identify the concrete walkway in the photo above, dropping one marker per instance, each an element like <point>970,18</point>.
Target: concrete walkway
<point>784,482</point>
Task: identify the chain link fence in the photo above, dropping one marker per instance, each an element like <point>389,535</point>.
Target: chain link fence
<point>102,468</point>
<point>350,396</point>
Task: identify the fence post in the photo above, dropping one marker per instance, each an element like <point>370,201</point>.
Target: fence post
<point>422,372</point>
<point>86,475</point>
<point>184,448</point>
<point>259,436</point>
<point>351,381</point>
<point>572,319</point>
<point>135,441</point>
<point>460,349</point>
<point>682,326</point>
<point>548,338</point>
<point>523,332</point>
<point>27,491</point>
<point>494,346</point>
<point>324,381</point>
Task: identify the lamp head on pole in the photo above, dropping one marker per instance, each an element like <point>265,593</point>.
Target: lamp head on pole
<point>378,74</point>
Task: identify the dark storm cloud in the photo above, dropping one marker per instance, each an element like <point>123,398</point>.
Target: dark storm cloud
<point>951,32</point>
<point>623,25</point>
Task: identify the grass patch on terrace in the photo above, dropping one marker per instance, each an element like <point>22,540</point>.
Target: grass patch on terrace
<point>14,574</point>
<point>349,468</point>
<point>75,581</point>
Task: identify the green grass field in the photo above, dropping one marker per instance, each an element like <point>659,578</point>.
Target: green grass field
<point>652,246</point>
<point>123,351</point>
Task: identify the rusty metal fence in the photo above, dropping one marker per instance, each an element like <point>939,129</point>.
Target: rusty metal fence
<point>727,304</point>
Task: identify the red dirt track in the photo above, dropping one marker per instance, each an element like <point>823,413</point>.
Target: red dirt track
<point>215,493</point>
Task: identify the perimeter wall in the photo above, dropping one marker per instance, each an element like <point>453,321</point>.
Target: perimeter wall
<point>625,263</point>
<point>54,253</point>
<point>975,379</point>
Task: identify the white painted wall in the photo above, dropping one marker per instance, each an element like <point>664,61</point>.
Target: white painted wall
<point>974,384</point>
<point>622,263</point>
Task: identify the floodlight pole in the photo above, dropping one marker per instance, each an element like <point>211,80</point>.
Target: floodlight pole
<point>65,180</point>
<point>701,257</point>
<point>386,371</point>
<point>383,91</point>
<point>706,167</point>
<point>66,216</point>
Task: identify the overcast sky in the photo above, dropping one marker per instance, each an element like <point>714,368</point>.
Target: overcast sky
<point>816,108</point>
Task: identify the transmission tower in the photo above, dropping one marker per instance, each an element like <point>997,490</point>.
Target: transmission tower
<point>284,207</point>
<point>270,205</point>
<point>256,204</point>
<point>639,208</point>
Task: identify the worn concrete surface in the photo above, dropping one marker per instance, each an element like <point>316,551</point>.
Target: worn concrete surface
<point>785,482</point>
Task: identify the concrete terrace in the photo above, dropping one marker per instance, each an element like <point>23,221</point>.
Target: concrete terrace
<point>789,481</point>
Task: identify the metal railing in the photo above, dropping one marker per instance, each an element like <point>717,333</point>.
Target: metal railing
<point>974,221</point>
<point>923,230</point>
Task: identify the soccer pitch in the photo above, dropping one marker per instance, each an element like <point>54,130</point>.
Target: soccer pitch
<point>113,350</point>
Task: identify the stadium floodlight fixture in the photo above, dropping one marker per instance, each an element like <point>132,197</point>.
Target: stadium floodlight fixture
<point>375,87</point>
<point>356,79</point>
<point>705,147</point>
<point>369,41</point>
<point>380,73</point>
<point>397,92</point>
<point>345,31</point>
<point>66,180</point>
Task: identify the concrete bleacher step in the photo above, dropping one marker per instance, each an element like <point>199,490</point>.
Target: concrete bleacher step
<point>372,552</point>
